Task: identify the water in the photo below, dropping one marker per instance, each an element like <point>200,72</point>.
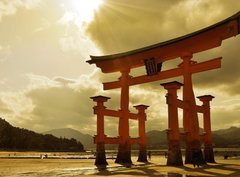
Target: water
<point>71,172</point>
<point>71,166</point>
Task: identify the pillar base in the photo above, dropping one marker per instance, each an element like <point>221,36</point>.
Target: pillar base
<point>101,156</point>
<point>188,159</point>
<point>142,155</point>
<point>174,155</point>
<point>208,154</point>
<point>124,154</point>
<point>194,154</point>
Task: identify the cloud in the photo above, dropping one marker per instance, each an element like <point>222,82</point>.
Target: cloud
<point>227,77</point>
<point>44,61</point>
<point>61,102</point>
<point>55,105</point>
<point>4,108</point>
<point>120,26</point>
<point>225,117</point>
<point>5,52</point>
<point>33,41</point>
<point>11,7</point>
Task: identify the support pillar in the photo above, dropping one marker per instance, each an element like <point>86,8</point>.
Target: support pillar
<point>208,149</point>
<point>99,139</point>
<point>124,148</point>
<point>142,156</point>
<point>174,150</point>
<point>190,118</point>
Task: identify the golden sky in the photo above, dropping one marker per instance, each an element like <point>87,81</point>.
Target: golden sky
<point>45,82</point>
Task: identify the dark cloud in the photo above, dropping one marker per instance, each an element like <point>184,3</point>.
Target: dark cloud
<point>122,25</point>
<point>227,77</point>
<point>62,106</point>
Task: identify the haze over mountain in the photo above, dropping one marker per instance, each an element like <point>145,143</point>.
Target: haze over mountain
<point>85,139</point>
<point>221,138</point>
<point>17,138</point>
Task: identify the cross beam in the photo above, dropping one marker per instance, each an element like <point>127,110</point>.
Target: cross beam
<point>195,68</point>
<point>118,114</point>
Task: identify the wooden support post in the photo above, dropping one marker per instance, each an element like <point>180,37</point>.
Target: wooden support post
<point>208,149</point>
<point>174,150</point>
<point>190,118</point>
<point>100,150</point>
<point>142,156</point>
<point>124,149</point>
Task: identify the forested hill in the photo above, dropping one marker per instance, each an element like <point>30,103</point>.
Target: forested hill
<point>13,138</point>
<point>224,138</point>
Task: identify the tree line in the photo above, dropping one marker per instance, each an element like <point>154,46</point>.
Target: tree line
<point>14,138</point>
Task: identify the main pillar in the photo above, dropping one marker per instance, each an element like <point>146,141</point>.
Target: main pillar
<point>124,148</point>
<point>190,117</point>
<point>208,149</point>
<point>174,150</point>
<point>142,156</point>
<point>99,139</point>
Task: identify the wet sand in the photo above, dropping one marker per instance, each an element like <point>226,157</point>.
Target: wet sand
<point>80,167</point>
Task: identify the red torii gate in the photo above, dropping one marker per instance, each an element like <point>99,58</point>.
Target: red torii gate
<point>152,58</point>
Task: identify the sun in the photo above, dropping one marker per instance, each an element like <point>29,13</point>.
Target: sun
<point>85,9</point>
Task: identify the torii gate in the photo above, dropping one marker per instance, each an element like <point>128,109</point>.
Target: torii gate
<point>152,57</point>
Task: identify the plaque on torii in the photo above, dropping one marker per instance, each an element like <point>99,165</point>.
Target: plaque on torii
<point>153,58</point>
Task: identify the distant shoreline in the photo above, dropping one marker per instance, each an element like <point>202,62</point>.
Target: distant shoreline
<point>110,154</point>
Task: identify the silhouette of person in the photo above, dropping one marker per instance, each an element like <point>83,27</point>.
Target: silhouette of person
<point>165,154</point>
<point>195,158</point>
<point>149,155</point>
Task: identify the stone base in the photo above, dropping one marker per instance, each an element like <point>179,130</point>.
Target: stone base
<point>197,157</point>
<point>100,155</point>
<point>124,154</point>
<point>194,154</point>
<point>188,158</point>
<point>174,155</point>
<point>142,156</point>
<point>209,155</point>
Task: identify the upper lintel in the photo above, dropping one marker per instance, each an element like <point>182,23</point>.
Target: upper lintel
<point>204,39</point>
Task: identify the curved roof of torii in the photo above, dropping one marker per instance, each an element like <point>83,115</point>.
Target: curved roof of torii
<point>201,40</point>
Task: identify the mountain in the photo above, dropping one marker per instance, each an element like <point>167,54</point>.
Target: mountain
<point>227,137</point>
<point>14,138</point>
<point>156,139</point>
<point>85,139</point>
<point>221,138</point>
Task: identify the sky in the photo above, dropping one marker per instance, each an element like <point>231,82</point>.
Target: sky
<point>45,82</point>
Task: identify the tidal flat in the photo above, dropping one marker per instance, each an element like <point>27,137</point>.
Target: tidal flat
<point>29,164</point>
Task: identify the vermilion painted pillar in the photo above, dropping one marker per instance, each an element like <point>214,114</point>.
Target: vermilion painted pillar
<point>174,150</point>
<point>124,148</point>
<point>208,149</point>
<point>142,156</point>
<point>190,117</point>
<point>99,140</point>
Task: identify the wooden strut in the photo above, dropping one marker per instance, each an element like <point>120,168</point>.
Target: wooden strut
<point>195,68</point>
<point>174,136</point>
<point>101,139</point>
